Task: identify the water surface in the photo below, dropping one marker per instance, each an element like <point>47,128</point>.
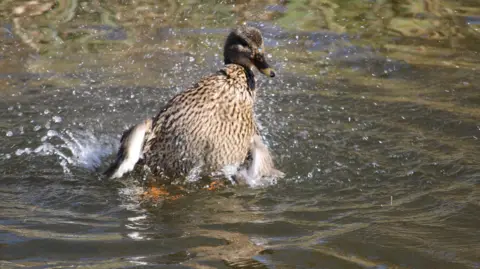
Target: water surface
<point>373,116</point>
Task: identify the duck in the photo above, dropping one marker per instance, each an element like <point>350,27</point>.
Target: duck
<point>210,125</point>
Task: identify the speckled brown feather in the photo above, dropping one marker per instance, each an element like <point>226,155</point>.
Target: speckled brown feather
<point>209,125</point>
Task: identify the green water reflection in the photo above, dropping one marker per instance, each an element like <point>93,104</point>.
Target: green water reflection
<point>425,33</point>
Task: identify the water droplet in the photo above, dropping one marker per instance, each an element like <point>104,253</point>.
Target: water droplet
<point>191,59</point>
<point>19,152</point>
<point>46,111</point>
<point>51,133</point>
<point>9,133</point>
<point>36,128</point>
<point>57,119</point>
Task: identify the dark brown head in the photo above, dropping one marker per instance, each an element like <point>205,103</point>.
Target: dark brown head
<point>244,46</point>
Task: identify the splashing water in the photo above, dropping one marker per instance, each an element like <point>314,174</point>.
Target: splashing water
<point>74,148</point>
<point>84,149</point>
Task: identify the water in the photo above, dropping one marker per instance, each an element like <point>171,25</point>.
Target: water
<point>373,116</point>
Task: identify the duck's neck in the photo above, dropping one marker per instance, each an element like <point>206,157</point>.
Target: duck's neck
<point>250,78</point>
<point>248,73</point>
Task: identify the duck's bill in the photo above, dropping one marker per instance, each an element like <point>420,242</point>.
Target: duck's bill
<point>263,66</point>
<point>269,72</point>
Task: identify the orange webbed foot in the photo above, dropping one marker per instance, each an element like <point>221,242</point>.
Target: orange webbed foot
<point>154,193</point>
<point>216,185</point>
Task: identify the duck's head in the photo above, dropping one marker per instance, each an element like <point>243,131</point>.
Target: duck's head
<point>244,46</point>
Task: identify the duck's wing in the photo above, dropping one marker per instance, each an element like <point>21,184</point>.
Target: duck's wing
<point>262,162</point>
<point>259,164</point>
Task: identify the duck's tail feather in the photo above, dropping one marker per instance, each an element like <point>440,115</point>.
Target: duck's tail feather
<point>131,149</point>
